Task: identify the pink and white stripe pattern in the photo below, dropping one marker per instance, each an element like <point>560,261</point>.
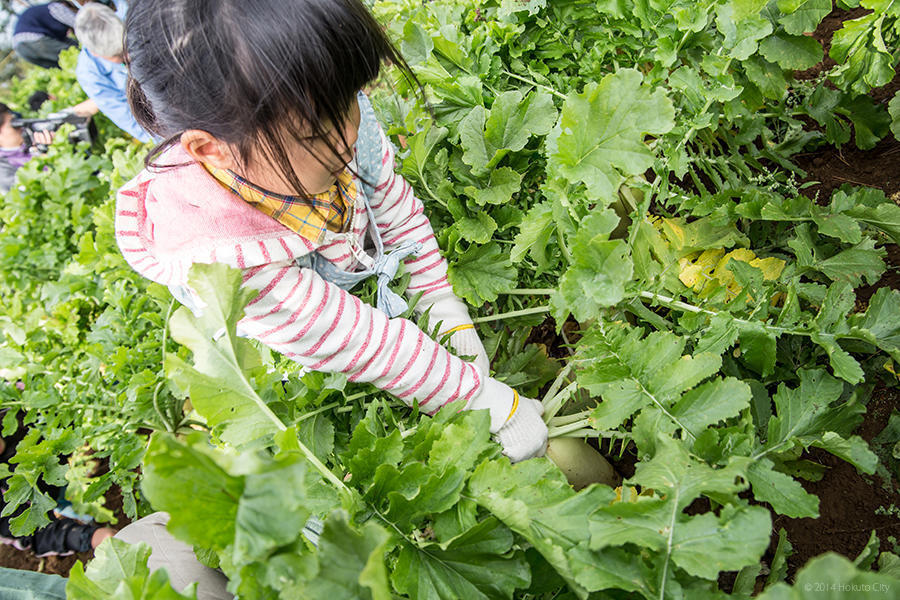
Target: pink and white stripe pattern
<point>168,219</point>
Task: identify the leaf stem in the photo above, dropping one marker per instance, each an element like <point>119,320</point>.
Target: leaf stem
<point>585,432</point>
<point>165,335</point>
<point>535,84</point>
<point>529,292</point>
<point>165,421</point>
<point>431,194</point>
<point>557,383</point>
<point>665,569</point>
<point>318,411</point>
<point>553,404</point>
<point>320,466</point>
<point>567,419</point>
<point>676,303</point>
<point>356,396</point>
<point>250,391</point>
<point>512,314</point>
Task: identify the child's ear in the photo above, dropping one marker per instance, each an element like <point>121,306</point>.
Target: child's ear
<point>205,148</point>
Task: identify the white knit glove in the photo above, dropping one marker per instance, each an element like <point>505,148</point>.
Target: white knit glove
<point>525,434</point>
<point>515,421</point>
<point>453,315</point>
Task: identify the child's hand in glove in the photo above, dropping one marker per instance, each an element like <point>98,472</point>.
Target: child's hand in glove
<point>515,421</point>
<point>524,435</point>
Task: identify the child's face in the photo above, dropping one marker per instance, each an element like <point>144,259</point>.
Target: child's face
<point>313,162</point>
<point>10,136</point>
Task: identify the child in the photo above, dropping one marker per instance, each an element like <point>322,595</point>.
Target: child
<point>273,163</point>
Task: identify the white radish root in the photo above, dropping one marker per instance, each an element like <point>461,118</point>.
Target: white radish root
<point>580,463</point>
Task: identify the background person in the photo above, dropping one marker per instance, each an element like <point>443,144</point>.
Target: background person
<point>166,552</point>
<point>14,152</point>
<point>63,535</point>
<point>42,32</point>
<point>37,100</point>
<point>101,68</point>
<point>176,557</point>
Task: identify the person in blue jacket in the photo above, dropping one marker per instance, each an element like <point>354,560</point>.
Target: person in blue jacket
<point>101,68</point>
<point>42,32</point>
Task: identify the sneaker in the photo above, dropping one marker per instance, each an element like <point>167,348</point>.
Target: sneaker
<point>62,537</point>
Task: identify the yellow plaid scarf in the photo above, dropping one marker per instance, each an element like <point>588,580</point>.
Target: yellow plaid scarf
<point>309,217</point>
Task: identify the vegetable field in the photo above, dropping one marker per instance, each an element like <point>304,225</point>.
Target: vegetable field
<point>676,222</point>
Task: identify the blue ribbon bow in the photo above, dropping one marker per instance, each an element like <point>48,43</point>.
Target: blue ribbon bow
<point>388,301</point>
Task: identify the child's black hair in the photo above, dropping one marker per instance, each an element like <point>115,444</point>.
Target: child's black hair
<point>253,73</point>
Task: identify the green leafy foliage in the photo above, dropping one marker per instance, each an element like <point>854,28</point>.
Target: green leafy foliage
<point>626,167</point>
<point>704,544</point>
<point>226,504</point>
<point>600,270</point>
<point>861,48</point>
<point>629,373</point>
<point>489,135</point>
<point>80,330</point>
<point>481,273</point>
<point>350,562</point>
<point>599,138</point>
<point>472,564</point>
<point>216,383</point>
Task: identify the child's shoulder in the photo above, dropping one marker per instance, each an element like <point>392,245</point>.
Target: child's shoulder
<point>176,212</point>
<point>180,196</point>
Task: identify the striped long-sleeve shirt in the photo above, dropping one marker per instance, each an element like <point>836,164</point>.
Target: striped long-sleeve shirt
<point>170,218</point>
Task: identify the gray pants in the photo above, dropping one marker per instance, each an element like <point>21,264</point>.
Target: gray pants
<point>176,557</point>
<point>43,52</point>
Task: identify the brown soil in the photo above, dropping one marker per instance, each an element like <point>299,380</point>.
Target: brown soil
<point>848,500</point>
<point>834,167</point>
<point>831,168</point>
<point>851,505</point>
<point>26,561</point>
<point>890,279</point>
<point>559,345</point>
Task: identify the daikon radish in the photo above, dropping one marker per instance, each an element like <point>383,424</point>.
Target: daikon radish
<point>581,464</point>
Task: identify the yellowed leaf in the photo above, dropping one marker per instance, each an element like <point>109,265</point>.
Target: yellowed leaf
<point>722,273</point>
<point>771,267</point>
<point>627,493</point>
<point>889,367</point>
<point>697,268</point>
<point>673,230</point>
